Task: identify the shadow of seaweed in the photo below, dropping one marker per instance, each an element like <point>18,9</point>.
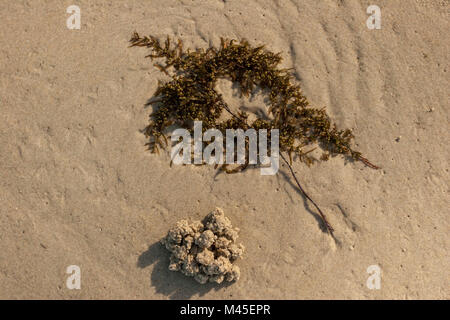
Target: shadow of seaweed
<point>174,285</point>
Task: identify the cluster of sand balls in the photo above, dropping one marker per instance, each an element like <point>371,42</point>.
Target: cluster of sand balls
<point>205,250</point>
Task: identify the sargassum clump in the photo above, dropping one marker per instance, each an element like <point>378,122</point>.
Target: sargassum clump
<point>205,250</point>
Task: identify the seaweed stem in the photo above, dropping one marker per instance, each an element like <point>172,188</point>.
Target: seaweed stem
<point>322,215</point>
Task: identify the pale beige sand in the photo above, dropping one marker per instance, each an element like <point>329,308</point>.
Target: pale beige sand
<point>78,187</point>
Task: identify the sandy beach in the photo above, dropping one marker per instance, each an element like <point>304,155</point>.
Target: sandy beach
<point>79,187</point>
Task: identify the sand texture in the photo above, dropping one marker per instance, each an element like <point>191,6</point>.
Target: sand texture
<point>79,188</point>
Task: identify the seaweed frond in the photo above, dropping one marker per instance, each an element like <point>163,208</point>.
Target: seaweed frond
<point>191,96</point>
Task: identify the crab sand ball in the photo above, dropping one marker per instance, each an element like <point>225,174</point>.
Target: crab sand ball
<point>205,250</point>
